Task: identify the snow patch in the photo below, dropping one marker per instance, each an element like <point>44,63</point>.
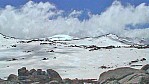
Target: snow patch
<point>60,37</point>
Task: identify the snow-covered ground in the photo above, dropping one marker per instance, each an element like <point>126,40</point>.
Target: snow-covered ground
<point>69,62</point>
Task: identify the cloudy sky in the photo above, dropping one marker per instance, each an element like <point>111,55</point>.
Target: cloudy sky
<point>95,6</point>
<point>78,18</point>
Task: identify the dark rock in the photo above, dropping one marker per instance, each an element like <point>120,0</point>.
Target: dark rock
<point>54,57</point>
<point>39,78</point>
<point>92,46</point>
<point>39,71</point>
<point>11,82</point>
<point>135,78</point>
<point>22,78</point>
<point>13,59</point>
<point>51,51</point>
<point>23,58</point>
<point>146,67</point>
<point>133,61</point>
<point>23,72</point>
<point>144,80</point>
<point>28,41</point>
<point>45,43</point>
<point>45,59</point>
<point>14,46</point>
<point>112,82</point>
<point>67,81</point>
<point>37,40</point>
<point>104,67</point>
<point>12,77</point>
<point>109,47</point>
<point>54,75</point>
<point>28,51</point>
<point>43,73</point>
<point>143,59</point>
<point>32,71</point>
<point>2,81</point>
<point>135,65</point>
<point>77,81</point>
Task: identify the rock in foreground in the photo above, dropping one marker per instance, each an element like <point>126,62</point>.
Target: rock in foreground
<point>33,77</point>
<point>124,75</point>
<point>38,75</point>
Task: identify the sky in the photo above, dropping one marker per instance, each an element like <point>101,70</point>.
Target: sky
<point>94,6</point>
<point>79,18</point>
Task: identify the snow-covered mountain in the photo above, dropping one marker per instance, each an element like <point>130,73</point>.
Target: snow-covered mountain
<point>127,40</point>
<point>108,40</point>
<point>104,40</point>
<point>71,57</point>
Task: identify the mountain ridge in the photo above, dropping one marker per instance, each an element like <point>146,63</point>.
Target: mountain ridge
<point>63,37</point>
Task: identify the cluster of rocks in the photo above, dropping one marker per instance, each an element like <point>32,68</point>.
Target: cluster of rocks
<point>44,42</point>
<point>135,61</point>
<point>42,77</point>
<point>13,59</point>
<point>93,47</point>
<point>137,46</point>
<point>33,77</point>
<point>141,46</point>
<point>29,41</point>
<point>124,75</point>
<point>105,67</point>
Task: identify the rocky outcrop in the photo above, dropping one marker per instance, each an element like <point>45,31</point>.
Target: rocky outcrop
<point>12,79</point>
<point>124,75</point>
<point>38,75</point>
<point>146,68</point>
<point>33,77</point>
<point>53,75</point>
<point>136,78</point>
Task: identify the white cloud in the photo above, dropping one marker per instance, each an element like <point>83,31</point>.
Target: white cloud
<point>75,13</point>
<point>32,21</point>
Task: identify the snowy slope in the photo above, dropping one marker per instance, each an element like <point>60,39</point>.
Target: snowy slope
<point>105,40</point>
<point>60,37</point>
<point>127,40</point>
<point>70,62</point>
<point>7,41</point>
